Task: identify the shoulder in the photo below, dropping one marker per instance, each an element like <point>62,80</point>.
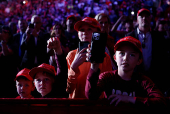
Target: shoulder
<point>132,33</point>
<point>108,75</point>
<point>71,54</point>
<point>144,80</point>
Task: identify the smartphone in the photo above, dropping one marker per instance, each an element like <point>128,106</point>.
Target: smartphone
<point>98,45</point>
<point>83,45</point>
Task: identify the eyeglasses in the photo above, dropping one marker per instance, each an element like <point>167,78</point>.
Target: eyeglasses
<point>143,42</point>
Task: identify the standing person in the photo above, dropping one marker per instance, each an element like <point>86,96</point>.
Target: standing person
<point>8,66</point>
<point>49,81</point>
<point>124,86</point>
<point>24,84</point>
<point>71,33</point>
<point>34,44</point>
<point>152,43</point>
<point>104,22</point>
<point>77,67</point>
<point>22,25</point>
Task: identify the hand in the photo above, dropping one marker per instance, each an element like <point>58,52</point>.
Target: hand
<point>34,33</point>
<point>79,58</point>
<point>54,43</point>
<point>121,98</point>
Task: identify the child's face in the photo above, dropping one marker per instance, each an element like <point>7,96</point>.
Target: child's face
<point>24,88</point>
<point>127,58</point>
<point>85,33</point>
<point>43,83</point>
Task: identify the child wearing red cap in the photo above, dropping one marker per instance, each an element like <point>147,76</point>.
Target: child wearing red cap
<point>77,67</point>
<point>24,84</point>
<point>124,86</point>
<point>44,78</point>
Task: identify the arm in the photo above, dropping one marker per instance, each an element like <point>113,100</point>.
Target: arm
<point>114,28</point>
<point>61,78</point>
<point>71,84</point>
<point>5,49</point>
<point>154,95</point>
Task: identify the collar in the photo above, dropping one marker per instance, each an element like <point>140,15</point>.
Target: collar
<point>140,32</point>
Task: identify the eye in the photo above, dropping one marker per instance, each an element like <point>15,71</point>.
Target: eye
<point>121,53</point>
<point>46,79</point>
<point>20,85</point>
<point>82,30</point>
<point>89,29</point>
<point>26,85</point>
<point>132,55</point>
<point>38,80</point>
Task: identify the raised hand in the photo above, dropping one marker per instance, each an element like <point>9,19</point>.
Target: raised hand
<point>54,43</point>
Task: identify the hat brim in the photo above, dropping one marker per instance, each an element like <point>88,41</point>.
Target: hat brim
<point>29,78</point>
<point>117,46</point>
<point>39,69</point>
<point>144,11</point>
<point>80,23</point>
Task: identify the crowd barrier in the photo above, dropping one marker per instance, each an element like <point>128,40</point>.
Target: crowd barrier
<point>66,106</point>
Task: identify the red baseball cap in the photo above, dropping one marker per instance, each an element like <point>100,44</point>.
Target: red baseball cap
<point>143,10</point>
<point>129,39</point>
<point>25,73</point>
<point>43,67</point>
<point>72,16</point>
<point>87,21</point>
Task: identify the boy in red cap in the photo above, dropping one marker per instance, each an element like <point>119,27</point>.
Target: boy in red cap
<point>124,86</point>
<point>24,84</point>
<point>77,67</point>
<point>44,78</point>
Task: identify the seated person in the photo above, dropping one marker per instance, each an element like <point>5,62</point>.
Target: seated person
<point>124,85</point>
<point>24,84</point>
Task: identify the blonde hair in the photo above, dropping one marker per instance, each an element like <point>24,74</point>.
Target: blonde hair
<point>97,17</point>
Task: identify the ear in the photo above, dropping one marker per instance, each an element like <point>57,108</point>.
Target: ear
<point>114,56</point>
<point>139,62</point>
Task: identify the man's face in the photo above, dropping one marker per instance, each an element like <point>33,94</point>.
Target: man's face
<point>37,23</point>
<point>144,20</point>
<point>70,22</point>
<point>22,25</point>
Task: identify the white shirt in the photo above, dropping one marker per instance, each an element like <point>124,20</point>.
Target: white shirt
<point>147,50</point>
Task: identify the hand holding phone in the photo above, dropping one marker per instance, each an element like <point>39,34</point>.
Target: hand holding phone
<point>98,44</point>
<point>83,45</point>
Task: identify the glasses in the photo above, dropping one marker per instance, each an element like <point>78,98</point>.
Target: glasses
<point>143,42</point>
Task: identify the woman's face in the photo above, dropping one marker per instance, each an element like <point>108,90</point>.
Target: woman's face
<point>104,24</point>
<point>85,33</point>
<point>57,30</point>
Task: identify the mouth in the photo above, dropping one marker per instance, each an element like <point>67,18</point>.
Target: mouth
<point>125,64</point>
<point>22,92</point>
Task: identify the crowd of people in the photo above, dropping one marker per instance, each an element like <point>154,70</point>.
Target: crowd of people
<point>40,55</point>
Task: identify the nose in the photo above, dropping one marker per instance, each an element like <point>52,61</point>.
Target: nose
<point>42,82</point>
<point>126,57</point>
<point>22,87</point>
